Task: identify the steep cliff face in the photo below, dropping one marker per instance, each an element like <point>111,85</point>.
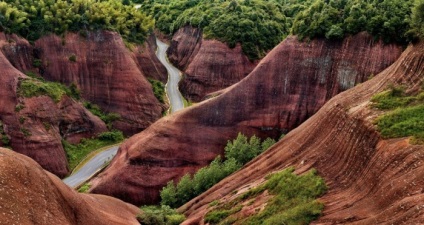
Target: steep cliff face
<point>288,86</point>
<point>208,65</point>
<point>105,71</point>
<point>371,181</point>
<point>31,195</point>
<point>147,61</point>
<point>35,126</point>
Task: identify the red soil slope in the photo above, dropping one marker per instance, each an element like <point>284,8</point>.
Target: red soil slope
<point>288,86</point>
<point>106,72</point>
<point>208,65</point>
<point>371,181</point>
<point>36,126</point>
<point>29,195</point>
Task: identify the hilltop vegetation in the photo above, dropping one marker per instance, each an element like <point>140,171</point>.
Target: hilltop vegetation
<point>259,25</point>
<point>33,19</point>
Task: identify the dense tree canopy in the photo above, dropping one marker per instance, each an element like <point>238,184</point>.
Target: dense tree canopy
<point>261,24</point>
<point>34,18</point>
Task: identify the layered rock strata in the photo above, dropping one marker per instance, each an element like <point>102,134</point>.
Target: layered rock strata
<point>207,65</point>
<point>371,180</point>
<point>287,87</point>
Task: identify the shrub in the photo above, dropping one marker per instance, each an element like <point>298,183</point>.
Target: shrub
<point>76,153</point>
<point>84,188</point>
<point>292,202</point>
<point>189,187</point>
<point>37,63</point>
<point>158,89</point>
<point>403,116</point>
<point>108,118</point>
<point>31,87</point>
<point>164,215</point>
<point>73,58</point>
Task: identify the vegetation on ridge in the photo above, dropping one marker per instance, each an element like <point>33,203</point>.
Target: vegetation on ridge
<point>260,25</point>
<point>76,153</point>
<point>292,201</point>
<point>33,19</point>
<point>237,153</point>
<point>35,87</point>
<point>159,215</point>
<point>404,114</point>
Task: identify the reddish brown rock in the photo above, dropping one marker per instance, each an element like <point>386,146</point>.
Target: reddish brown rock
<point>147,61</point>
<point>371,181</point>
<point>288,86</point>
<point>30,195</point>
<point>18,51</point>
<point>105,71</point>
<point>36,126</point>
<point>208,65</point>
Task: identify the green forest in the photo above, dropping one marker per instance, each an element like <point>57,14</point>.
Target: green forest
<point>260,25</point>
<point>34,18</point>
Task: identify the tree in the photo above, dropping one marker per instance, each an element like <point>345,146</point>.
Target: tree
<point>417,18</point>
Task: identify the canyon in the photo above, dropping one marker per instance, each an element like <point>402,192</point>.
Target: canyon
<point>208,65</point>
<point>371,180</point>
<point>35,126</point>
<point>287,87</point>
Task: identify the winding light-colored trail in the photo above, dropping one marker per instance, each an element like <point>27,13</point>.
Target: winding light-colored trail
<point>174,95</point>
<point>91,167</point>
<point>99,161</point>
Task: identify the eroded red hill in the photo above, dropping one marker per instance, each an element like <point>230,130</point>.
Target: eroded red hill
<point>288,86</point>
<point>30,195</point>
<point>371,180</point>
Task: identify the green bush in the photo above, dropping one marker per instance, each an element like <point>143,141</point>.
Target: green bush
<point>164,215</point>
<point>108,118</point>
<point>33,19</point>
<point>76,153</point>
<point>32,87</point>
<point>114,136</point>
<point>417,19</point>
<point>403,114</point>
<point>73,58</point>
<point>84,188</point>
<point>238,152</point>
<point>158,89</point>
<point>293,201</point>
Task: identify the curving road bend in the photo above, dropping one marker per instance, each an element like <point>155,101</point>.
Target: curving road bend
<point>91,167</point>
<point>99,161</point>
<point>174,95</point>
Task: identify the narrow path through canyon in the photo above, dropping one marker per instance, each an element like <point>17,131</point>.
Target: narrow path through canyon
<point>174,95</point>
<point>99,161</point>
<point>91,167</point>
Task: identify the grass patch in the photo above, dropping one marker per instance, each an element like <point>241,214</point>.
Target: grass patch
<point>403,122</point>
<point>237,152</point>
<point>5,140</point>
<point>76,153</point>
<point>158,89</point>
<point>108,118</point>
<point>84,188</point>
<point>293,202</point>
<point>32,87</point>
<point>159,215</point>
<point>73,58</point>
<point>404,114</point>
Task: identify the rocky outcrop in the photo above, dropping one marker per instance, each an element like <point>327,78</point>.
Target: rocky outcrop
<point>106,73</point>
<point>287,87</point>
<point>371,181</point>
<point>35,126</point>
<point>148,63</point>
<point>208,65</point>
<point>30,195</point>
